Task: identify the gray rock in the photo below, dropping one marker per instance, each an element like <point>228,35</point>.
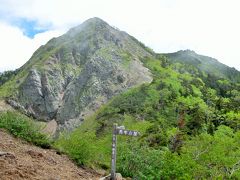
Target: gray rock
<point>73,75</point>
<point>118,177</point>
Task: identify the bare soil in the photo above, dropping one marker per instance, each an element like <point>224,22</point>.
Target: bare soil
<point>21,160</point>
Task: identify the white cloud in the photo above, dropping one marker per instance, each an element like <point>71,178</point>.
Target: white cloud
<point>208,27</point>
<point>16,48</point>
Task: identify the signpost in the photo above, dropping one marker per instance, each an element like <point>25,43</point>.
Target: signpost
<point>118,130</point>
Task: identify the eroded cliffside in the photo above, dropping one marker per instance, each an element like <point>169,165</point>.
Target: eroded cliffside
<point>73,75</point>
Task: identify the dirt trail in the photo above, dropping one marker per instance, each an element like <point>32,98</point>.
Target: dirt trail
<point>20,160</point>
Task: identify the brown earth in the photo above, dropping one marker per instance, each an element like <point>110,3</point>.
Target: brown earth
<point>20,160</point>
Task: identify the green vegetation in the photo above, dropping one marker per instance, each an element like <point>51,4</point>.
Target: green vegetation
<point>8,82</point>
<point>204,156</point>
<point>87,148</point>
<point>5,76</point>
<point>188,116</point>
<point>189,125</point>
<point>24,128</point>
<point>189,121</point>
<point>205,64</point>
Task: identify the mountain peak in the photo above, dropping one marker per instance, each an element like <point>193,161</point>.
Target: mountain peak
<point>71,76</point>
<point>95,20</point>
<point>94,23</point>
<point>187,51</point>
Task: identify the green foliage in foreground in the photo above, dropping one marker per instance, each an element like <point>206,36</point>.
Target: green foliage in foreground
<point>202,157</point>
<point>189,122</point>
<point>24,128</point>
<point>87,148</point>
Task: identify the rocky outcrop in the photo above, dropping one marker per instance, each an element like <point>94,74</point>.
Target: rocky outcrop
<point>39,97</point>
<point>73,75</point>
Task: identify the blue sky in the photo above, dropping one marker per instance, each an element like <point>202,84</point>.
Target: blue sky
<point>208,27</point>
<point>29,27</point>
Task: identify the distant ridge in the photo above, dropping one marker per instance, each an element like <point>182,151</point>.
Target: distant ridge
<point>204,63</point>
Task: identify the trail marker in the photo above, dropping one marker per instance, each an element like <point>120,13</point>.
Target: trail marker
<point>118,130</point>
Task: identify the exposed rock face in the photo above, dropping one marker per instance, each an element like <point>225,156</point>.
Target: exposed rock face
<point>38,96</point>
<point>73,75</point>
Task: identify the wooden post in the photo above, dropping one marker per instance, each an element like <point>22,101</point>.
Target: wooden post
<point>121,131</point>
<point>114,152</point>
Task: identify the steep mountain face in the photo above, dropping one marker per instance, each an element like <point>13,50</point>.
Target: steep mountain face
<point>71,76</point>
<point>206,64</point>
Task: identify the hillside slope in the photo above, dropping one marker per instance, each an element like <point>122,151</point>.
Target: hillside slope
<point>20,160</point>
<point>206,64</point>
<point>189,127</point>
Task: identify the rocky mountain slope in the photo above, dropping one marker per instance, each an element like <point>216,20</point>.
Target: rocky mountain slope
<point>71,76</point>
<point>20,160</point>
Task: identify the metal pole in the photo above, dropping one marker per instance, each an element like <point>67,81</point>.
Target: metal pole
<point>114,152</point>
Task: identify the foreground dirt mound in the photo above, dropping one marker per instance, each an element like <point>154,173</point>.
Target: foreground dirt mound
<point>20,160</point>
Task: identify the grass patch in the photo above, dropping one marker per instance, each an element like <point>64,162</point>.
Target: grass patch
<point>24,128</point>
<point>86,148</point>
